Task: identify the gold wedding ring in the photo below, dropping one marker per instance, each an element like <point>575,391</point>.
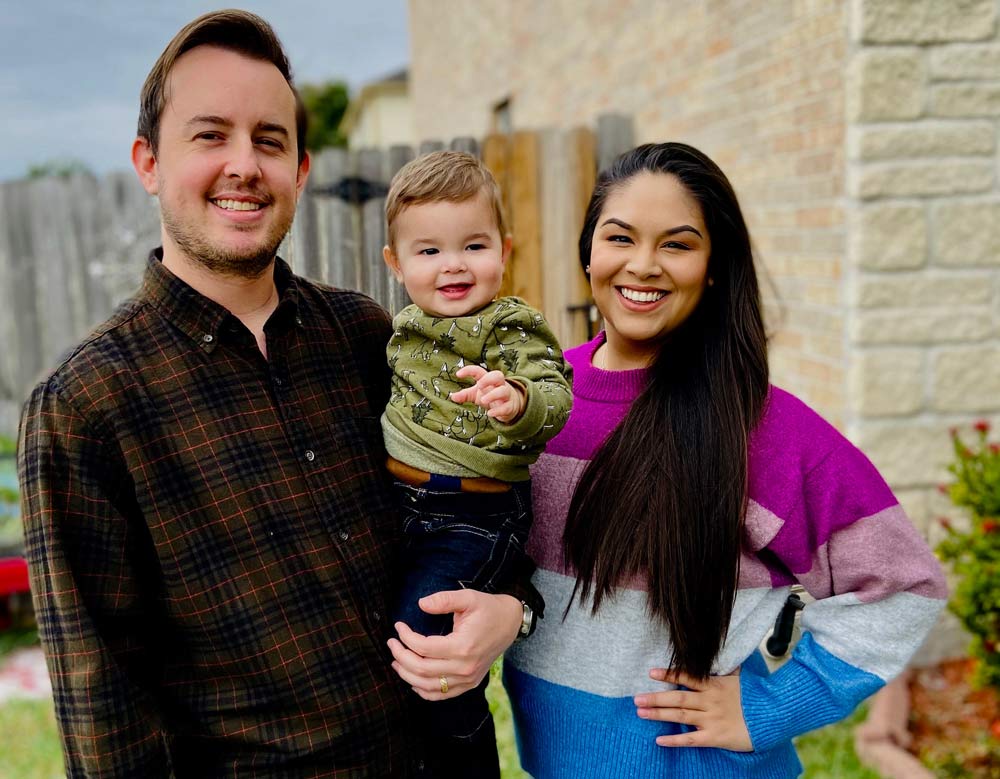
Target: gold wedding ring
<point>444,684</point>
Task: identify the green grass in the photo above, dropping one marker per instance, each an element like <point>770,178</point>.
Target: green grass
<point>29,742</point>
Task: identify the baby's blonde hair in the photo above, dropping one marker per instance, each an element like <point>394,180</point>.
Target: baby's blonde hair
<point>453,176</point>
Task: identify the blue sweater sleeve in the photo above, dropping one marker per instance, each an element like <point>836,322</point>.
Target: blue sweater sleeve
<point>812,689</point>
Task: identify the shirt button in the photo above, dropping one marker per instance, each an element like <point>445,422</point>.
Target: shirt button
<point>277,381</point>
<point>343,535</point>
<point>208,338</point>
<point>310,455</point>
<point>298,321</point>
<point>376,615</point>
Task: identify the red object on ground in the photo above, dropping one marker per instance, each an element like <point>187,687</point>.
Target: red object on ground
<point>13,575</point>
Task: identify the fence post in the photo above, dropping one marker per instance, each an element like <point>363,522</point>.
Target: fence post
<point>614,136</point>
<point>567,178</point>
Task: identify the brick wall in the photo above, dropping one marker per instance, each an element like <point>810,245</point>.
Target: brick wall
<point>924,289</point>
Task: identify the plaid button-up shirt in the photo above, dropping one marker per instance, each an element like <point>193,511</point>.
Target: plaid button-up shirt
<point>210,537</point>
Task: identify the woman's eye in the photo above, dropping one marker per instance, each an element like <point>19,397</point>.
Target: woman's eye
<point>676,245</point>
<point>619,239</point>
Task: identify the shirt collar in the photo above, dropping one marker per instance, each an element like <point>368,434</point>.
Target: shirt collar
<point>201,319</point>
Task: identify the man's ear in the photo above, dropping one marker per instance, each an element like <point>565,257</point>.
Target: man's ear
<point>392,263</point>
<point>301,175</point>
<point>144,162</point>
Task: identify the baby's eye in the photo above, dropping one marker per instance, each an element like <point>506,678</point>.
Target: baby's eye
<point>475,247</point>
<point>428,251</point>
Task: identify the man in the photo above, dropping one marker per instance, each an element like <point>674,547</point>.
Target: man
<point>208,524</point>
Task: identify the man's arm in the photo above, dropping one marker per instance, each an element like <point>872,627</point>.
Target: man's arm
<point>82,551</point>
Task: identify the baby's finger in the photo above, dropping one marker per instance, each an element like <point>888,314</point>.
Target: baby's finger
<point>473,372</point>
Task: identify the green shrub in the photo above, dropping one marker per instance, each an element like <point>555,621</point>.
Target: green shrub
<point>974,551</point>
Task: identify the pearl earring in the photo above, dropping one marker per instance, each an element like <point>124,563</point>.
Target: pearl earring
<point>587,269</point>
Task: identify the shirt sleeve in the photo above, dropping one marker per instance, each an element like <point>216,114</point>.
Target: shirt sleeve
<point>82,544</point>
<point>878,591</point>
<point>523,346</point>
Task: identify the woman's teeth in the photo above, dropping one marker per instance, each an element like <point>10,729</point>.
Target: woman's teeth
<point>640,297</point>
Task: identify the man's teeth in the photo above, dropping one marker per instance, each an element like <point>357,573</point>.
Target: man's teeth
<point>237,205</point>
<point>641,297</point>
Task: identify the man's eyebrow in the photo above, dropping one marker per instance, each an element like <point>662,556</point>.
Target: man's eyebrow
<point>271,127</point>
<point>208,119</point>
<point>672,231</point>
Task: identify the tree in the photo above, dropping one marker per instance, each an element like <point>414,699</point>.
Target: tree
<point>325,105</point>
<point>63,168</point>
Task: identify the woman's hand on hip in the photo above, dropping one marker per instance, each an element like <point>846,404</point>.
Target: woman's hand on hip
<point>712,706</point>
<point>484,626</point>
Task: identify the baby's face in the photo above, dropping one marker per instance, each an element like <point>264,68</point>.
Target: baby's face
<point>449,256</point>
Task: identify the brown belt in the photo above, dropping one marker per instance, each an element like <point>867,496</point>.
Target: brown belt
<point>418,478</point>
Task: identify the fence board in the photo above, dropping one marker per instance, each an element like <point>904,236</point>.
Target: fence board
<point>524,276</point>
<point>564,173</point>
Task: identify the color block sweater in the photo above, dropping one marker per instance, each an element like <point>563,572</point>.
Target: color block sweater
<point>819,514</point>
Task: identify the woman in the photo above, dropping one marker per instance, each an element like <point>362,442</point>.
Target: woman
<point>680,502</point>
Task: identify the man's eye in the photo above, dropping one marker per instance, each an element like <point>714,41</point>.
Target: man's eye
<point>209,136</point>
<point>272,142</point>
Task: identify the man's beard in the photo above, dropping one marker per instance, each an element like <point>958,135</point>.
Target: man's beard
<point>248,264</point>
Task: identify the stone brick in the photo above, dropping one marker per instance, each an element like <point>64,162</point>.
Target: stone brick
<point>926,139</point>
<point>887,382</point>
<point>907,455</point>
<point>886,84</point>
<point>965,100</point>
<point>920,326</point>
<point>925,21</point>
<point>967,234</point>
<point>890,237</point>
<point>966,379</point>
<point>916,504</point>
<point>965,61</point>
<point>925,178</point>
<point>919,290</point>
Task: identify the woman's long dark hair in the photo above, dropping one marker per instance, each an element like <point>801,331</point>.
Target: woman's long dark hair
<point>665,495</point>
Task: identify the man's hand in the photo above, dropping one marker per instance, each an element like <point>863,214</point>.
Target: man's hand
<point>485,625</point>
<point>712,706</point>
<point>502,400</point>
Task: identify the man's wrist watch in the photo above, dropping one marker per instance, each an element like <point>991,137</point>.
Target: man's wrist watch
<point>528,622</point>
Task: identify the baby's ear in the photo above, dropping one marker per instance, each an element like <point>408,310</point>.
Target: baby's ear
<point>508,243</point>
<point>392,262</point>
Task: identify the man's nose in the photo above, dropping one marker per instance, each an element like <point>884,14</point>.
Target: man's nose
<point>243,161</point>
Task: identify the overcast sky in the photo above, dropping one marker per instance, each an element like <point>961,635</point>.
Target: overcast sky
<point>70,72</point>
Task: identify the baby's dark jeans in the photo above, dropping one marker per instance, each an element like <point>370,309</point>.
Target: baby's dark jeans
<point>455,540</point>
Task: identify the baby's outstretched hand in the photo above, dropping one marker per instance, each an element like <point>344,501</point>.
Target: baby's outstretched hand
<point>502,400</point>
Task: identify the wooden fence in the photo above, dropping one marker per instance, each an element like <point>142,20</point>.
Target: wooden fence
<point>73,249</point>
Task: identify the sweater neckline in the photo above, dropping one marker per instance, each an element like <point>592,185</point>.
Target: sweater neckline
<point>595,383</point>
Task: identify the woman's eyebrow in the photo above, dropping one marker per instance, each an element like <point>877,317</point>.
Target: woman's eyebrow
<point>672,231</point>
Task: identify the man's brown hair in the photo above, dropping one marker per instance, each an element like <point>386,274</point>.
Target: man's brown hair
<point>231,29</point>
<point>454,176</point>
